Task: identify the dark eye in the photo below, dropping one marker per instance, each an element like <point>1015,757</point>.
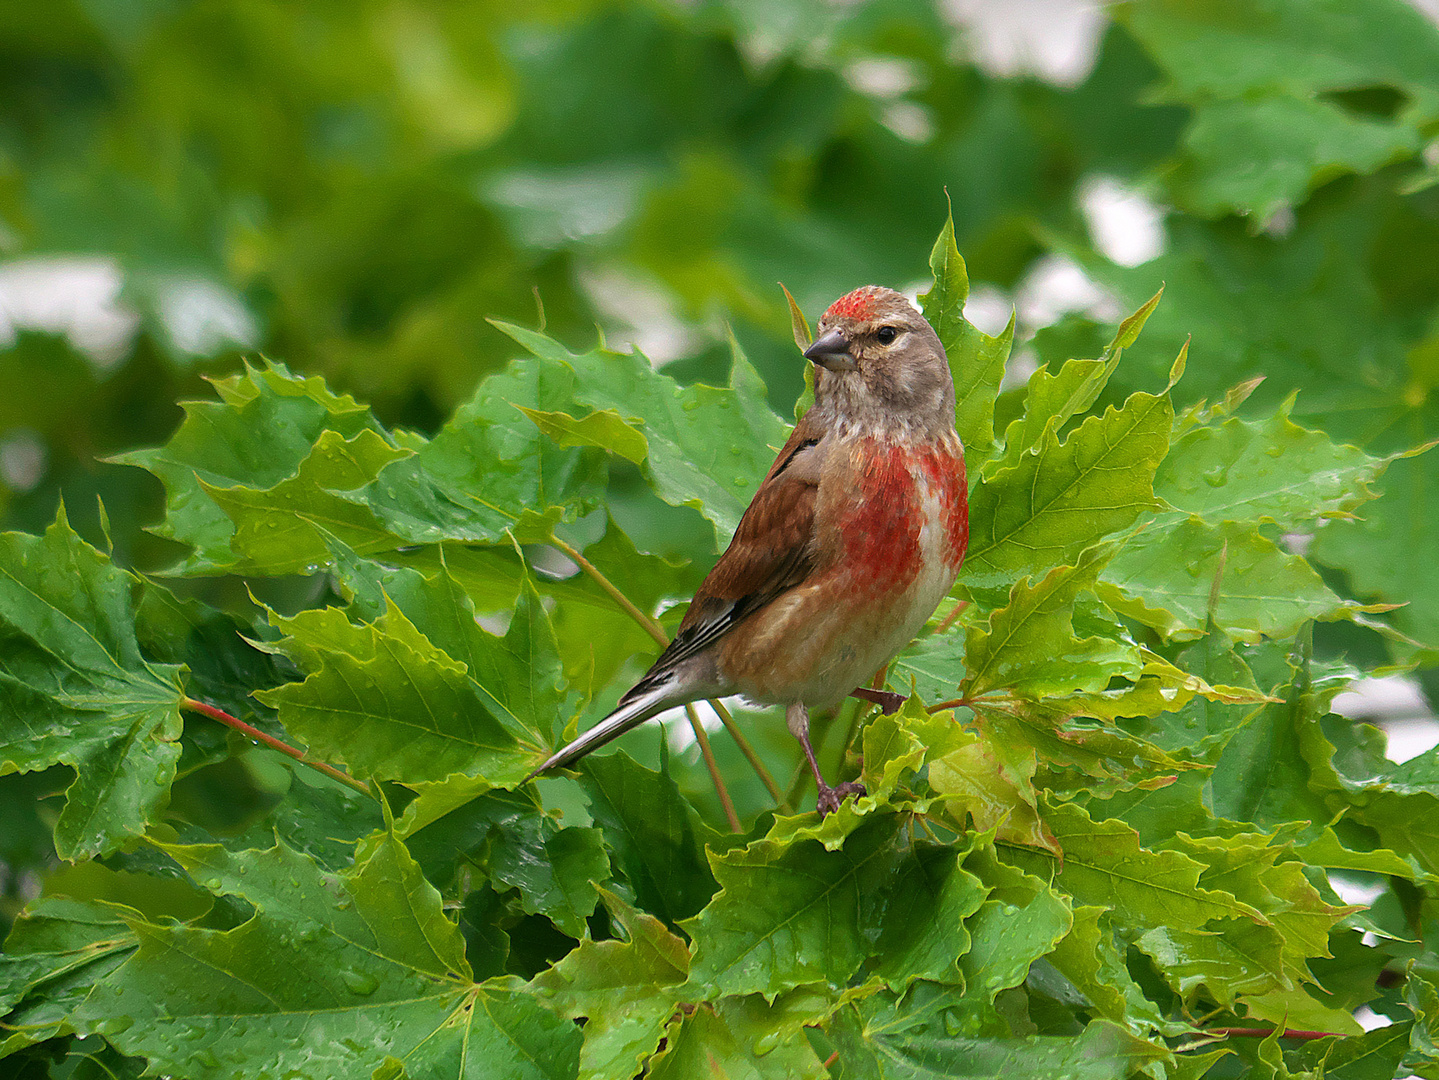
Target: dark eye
<point>886,334</point>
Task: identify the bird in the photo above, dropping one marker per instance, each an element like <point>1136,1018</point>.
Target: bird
<point>851,541</point>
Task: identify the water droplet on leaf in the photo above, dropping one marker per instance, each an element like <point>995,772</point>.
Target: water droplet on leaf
<point>360,983</point>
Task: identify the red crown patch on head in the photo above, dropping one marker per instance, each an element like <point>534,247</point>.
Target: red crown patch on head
<point>859,304</point>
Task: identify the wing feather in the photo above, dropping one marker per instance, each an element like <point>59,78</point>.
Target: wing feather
<point>772,550</point>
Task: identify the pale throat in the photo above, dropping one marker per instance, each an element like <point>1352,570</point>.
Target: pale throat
<point>850,409</point>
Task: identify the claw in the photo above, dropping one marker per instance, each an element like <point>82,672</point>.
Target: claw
<point>831,797</point>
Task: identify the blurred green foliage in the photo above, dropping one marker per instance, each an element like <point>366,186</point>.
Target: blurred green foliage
<point>356,187</point>
<point>353,189</point>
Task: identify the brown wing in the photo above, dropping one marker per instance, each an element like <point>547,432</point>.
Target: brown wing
<point>772,550</point>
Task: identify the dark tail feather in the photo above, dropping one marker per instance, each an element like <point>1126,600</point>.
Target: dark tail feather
<point>630,713</point>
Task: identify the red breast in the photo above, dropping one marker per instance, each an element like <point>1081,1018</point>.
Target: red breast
<point>912,506</point>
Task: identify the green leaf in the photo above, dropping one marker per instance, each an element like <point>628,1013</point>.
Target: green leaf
<point>1247,867</point>
<point>1105,865</point>
<point>1371,1056</point>
<point>976,359</point>
<point>626,990</point>
<point>384,699</point>
<point>1165,577</point>
<point>557,879</point>
<point>1107,758</point>
<point>1022,922</point>
<point>1297,1009</point>
<point>331,972</point>
<point>1262,136</point>
<point>788,914</point>
<point>459,825</point>
<point>803,336</point>
<point>880,1045</point>
<point>736,1038</point>
<point>519,675</point>
<point>257,437</point>
<point>1092,960</point>
<point>602,428</point>
<point>76,689</point>
<point>705,447</point>
<point>991,782</point>
<point>1422,996</point>
<point>58,950</point>
<point>925,908</point>
<point>903,741</point>
<point>1391,552</point>
<point>1029,646</point>
<point>1266,155</point>
<point>1271,471</point>
<point>283,529</point>
<point>490,471</point>
<point>932,666</point>
<point>657,839</point>
<point>1052,400</point>
<point>1228,957</point>
<point>1044,506</point>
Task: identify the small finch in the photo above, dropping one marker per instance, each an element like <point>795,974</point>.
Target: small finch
<point>850,543</point>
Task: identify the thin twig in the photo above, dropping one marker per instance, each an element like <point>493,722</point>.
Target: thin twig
<point>876,683</point>
<point>656,631</point>
<point>795,788</point>
<point>949,619</point>
<point>703,739</point>
<point>273,743</point>
<point>952,703</point>
<point>649,625</point>
<point>1264,1033</point>
<point>753,758</point>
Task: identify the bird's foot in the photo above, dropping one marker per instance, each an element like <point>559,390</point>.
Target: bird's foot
<point>831,797</point>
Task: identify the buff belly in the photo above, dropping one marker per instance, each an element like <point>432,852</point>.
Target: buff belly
<point>819,641</point>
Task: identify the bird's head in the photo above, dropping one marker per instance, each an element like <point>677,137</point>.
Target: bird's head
<point>879,363</point>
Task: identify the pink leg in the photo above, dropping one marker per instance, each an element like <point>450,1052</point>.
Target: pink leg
<point>797,717</point>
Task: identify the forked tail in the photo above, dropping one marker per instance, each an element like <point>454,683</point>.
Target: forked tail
<point>634,709</point>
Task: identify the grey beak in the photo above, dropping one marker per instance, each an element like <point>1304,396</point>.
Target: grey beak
<point>831,351</point>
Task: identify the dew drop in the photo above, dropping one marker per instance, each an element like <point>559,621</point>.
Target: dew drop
<point>359,983</point>
<point>765,1043</point>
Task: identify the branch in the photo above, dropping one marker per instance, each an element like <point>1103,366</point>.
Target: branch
<point>654,629</point>
<point>274,744</point>
<point>1264,1033</point>
<point>949,619</point>
<point>952,703</point>
<point>703,739</point>
<point>748,751</point>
